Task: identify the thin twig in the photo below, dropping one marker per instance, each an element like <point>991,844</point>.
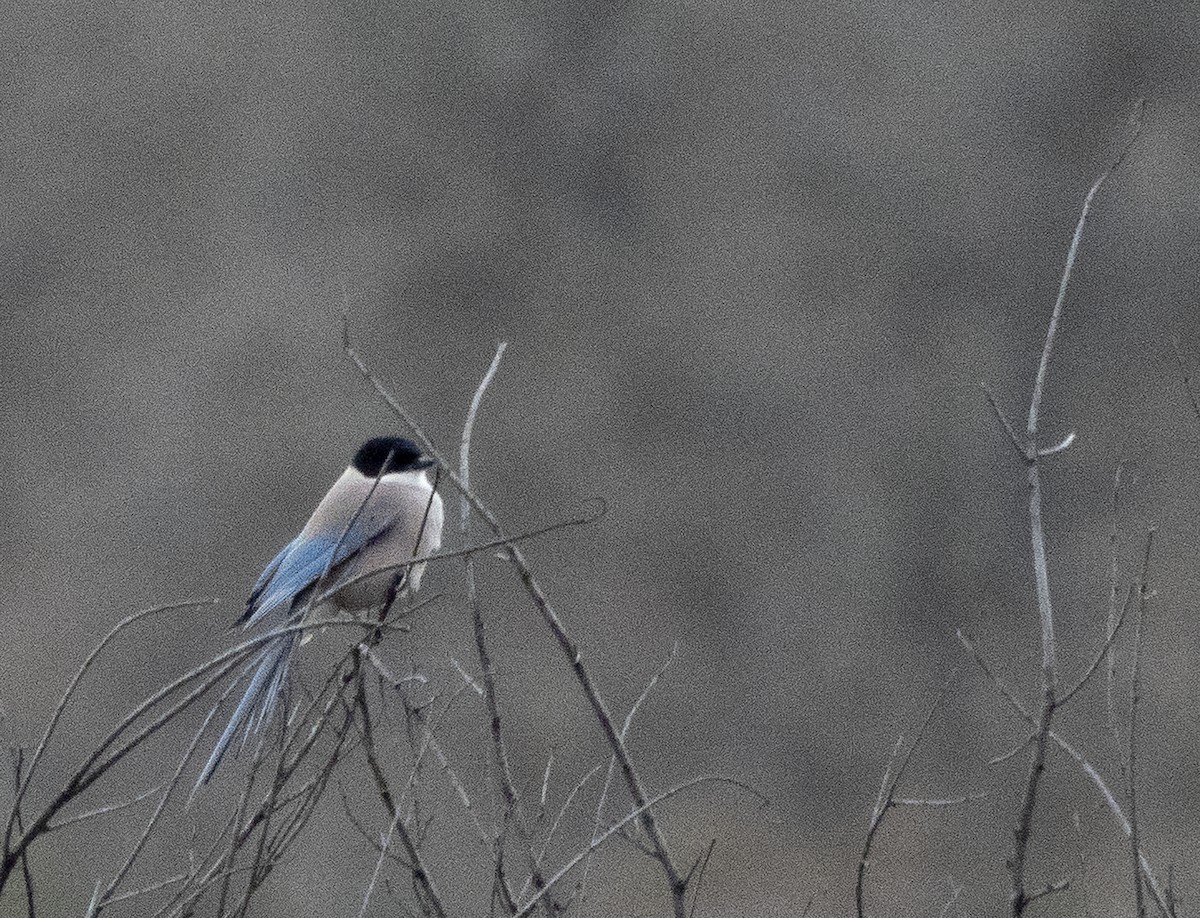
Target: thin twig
<point>120,626</point>
<point>940,801</point>
<point>1110,658</point>
<point>1039,385</point>
<point>1101,654</point>
<point>1014,752</point>
<point>466,676</point>
<point>1134,698</point>
<point>143,890</point>
<point>1048,889</point>
<point>107,898</point>
<point>26,873</point>
<point>1003,419</point>
<point>107,810</point>
<point>545,788</point>
<point>703,865</point>
<point>429,894</point>
<point>430,742</point>
<point>579,785</point>
<point>1187,378</point>
<point>612,764</point>
<point>956,890</point>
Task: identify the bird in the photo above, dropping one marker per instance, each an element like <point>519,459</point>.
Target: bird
<point>382,512</point>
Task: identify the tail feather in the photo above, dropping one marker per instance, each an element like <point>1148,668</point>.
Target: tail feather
<point>257,703</point>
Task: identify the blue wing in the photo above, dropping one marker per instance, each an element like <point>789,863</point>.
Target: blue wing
<point>267,573</point>
<point>302,562</point>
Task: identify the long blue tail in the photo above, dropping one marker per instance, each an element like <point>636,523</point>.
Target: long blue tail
<point>258,702</point>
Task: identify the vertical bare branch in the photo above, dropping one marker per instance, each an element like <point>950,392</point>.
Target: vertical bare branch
<point>1134,699</point>
<point>1110,656</point>
<point>1041,568</point>
<point>1187,379</point>
<point>1083,871</point>
<point>427,892</point>
<point>26,873</point>
<point>703,865</point>
<point>514,815</point>
<point>882,804</point>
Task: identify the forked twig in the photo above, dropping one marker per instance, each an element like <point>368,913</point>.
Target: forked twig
<point>612,763</point>
<point>1088,769</point>
<point>885,800</point>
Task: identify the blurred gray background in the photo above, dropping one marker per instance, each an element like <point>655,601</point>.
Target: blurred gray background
<point>753,262</point>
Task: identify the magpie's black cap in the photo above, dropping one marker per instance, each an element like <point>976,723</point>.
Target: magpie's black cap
<point>381,455</point>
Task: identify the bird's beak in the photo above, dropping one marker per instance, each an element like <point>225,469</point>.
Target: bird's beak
<point>425,462</point>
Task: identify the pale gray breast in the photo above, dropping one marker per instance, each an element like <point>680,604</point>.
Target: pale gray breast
<point>404,501</point>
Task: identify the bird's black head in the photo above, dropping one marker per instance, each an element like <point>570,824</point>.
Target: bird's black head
<point>381,455</point>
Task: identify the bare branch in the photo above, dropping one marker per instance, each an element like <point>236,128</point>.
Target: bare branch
<point>1061,446</point>
<point>703,865</point>
<point>612,764</point>
<point>615,829</point>
<point>1015,751</point>
<point>68,821</point>
<point>124,623</point>
<point>1048,889</point>
<point>1101,655</point>
<point>1135,697</point>
<point>1039,385</point>
<point>1111,657</point>
<point>514,813</point>
<point>940,801</point>
<point>428,891</point>
<point>1088,769</point>
<point>1004,421</point>
<point>1041,569</point>
<point>1187,378</point>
